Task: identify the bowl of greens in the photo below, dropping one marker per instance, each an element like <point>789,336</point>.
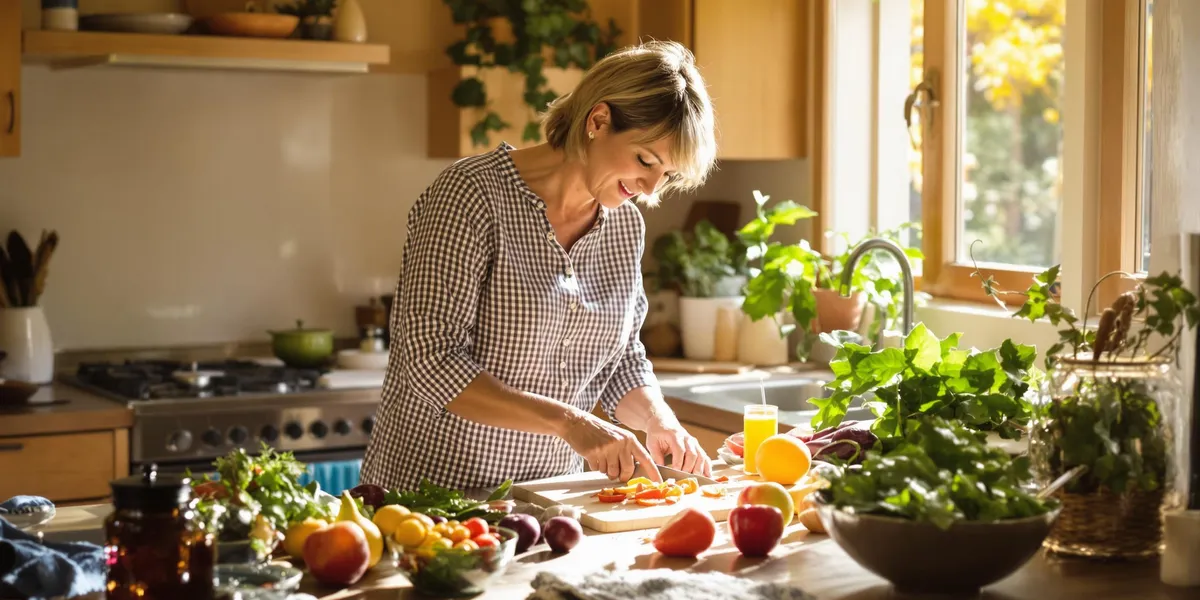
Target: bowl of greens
<point>458,572</point>
<point>252,499</point>
<point>919,512</point>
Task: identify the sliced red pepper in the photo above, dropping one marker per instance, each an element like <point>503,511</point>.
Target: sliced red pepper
<point>650,494</point>
<point>612,497</point>
<point>722,479</point>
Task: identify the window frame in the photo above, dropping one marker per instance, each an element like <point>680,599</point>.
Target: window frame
<point>1114,206</point>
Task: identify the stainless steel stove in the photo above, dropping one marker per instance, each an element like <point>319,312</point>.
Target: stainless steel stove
<point>187,414</point>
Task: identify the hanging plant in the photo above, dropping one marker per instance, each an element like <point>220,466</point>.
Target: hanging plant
<point>559,30</point>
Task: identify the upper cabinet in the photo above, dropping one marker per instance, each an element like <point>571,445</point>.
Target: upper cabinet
<point>754,56</point>
<point>10,77</point>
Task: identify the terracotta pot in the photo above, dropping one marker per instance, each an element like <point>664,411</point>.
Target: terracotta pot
<point>835,312</point>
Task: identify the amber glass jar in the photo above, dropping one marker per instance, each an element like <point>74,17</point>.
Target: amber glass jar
<point>156,548</point>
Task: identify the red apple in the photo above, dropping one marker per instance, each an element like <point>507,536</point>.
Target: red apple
<point>756,528</point>
<point>337,554</point>
<point>771,494</point>
<point>688,533</point>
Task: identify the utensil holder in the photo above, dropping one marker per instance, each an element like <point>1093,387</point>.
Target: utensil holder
<point>25,336</point>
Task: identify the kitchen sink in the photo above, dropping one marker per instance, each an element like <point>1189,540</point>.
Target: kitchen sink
<point>789,394</point>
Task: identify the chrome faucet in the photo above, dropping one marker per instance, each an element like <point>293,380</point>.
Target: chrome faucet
<point>905,267</point>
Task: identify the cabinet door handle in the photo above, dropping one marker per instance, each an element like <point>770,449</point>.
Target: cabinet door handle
<point>12,447</point>
<point>12,111</point>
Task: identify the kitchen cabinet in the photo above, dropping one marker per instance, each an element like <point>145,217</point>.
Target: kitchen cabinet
<point>65,468</point>
<point>10,78</point>
<point>755,58</point>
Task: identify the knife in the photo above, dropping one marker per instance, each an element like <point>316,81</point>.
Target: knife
<point>669,473</point>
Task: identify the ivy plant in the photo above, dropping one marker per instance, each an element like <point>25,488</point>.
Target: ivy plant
<point>560,32</point>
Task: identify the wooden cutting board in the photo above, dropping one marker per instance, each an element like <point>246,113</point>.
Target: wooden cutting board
<point>683,365</point>
<point>577,490</point>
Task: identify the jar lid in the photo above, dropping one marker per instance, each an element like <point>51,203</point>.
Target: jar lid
<point>151,491</point>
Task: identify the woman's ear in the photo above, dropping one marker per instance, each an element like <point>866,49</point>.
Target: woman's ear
<point>599,118</point>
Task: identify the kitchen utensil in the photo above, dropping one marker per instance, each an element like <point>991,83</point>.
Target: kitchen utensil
<point>21,261</point>
<point>302,348</point>
<point>195,377</point>
<point>41,263</point>
<point>670,473</point>
<point>152,23</point>
<point>579,489</point>
<point>921,558</point>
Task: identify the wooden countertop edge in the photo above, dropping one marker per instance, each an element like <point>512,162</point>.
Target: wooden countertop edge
<point>83,411</point>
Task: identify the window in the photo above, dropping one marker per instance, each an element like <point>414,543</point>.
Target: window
<point>985,173</point>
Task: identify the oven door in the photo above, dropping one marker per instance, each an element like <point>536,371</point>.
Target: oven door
<point>334,471</point>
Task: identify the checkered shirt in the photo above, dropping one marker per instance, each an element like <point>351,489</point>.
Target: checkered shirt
<point>485,286</point>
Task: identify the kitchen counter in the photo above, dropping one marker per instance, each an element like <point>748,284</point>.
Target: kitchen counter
<point>60,408</point>
<point>809,561</point>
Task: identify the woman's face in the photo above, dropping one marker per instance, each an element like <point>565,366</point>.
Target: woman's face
<point>619,169</point>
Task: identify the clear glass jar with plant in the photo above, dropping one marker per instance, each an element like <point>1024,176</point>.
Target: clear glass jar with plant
<point>1109,407</point>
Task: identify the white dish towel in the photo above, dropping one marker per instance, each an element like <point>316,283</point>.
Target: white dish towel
<point>658,584</point>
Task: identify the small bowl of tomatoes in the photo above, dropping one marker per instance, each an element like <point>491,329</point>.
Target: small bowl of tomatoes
<point>451,559</point>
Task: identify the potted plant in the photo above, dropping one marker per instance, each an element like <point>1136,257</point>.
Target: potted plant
<point>1108,407</point>
<point>522,37</point>
<point>798,281</point>
<point>708,270</point>
<point>316,17</point>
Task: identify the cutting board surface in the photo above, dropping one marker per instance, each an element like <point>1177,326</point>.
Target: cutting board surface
<point>578,489</point>
<point>683,365</point>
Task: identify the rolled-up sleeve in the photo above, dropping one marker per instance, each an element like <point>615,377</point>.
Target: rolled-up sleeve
<point>445,262</point>
<point>633,369</point>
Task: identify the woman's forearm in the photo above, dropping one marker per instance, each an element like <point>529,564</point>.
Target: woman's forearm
<point>488,401</point>
<point>644,407</point>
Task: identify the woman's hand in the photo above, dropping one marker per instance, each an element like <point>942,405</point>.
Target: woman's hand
<point>608,449</point>
<point>663,438</point>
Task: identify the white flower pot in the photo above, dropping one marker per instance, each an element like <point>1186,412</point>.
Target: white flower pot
<point>25,336</point>
<point>698,324</point>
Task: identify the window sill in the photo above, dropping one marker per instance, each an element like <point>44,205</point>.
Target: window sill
<point>983,325</point>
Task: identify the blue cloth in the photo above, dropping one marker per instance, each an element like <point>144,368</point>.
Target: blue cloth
<point>22,504</point>
<point>29,569</point>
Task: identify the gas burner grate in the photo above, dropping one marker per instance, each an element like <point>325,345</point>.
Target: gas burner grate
<point>156,380</point>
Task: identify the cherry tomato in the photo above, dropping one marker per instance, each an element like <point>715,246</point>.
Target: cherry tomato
<point>476,526</point>
<point>486,540</point>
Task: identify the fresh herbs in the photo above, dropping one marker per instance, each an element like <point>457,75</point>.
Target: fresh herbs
<point>437,501</point>
<point>700,265</point>
<point>1102,409</point>
<point>931,377</point>
<point>939,472</point>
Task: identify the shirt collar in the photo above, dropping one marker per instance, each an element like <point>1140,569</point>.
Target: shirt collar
<point>510,170</point>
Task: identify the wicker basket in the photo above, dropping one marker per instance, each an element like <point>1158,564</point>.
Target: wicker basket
<point>1107,525</point>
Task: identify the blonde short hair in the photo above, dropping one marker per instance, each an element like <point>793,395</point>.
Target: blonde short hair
<point>655,87</point>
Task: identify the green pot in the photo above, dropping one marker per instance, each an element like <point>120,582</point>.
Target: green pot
<point>302,348</point>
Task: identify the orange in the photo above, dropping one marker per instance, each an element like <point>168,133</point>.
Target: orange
<point>782,459</point>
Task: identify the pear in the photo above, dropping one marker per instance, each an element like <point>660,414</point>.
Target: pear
<point>349,512</point>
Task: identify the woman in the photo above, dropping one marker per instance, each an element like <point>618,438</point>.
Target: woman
<point>520,300</point>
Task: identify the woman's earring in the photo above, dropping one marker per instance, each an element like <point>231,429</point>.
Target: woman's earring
<point>591,135</point>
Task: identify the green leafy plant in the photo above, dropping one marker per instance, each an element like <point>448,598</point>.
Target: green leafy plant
<point>699,265</point>
<point>937,471</point>
<point>1101,417</point>
<point>785,275</point>
<point>560,32</point>
<point>437,501</point>
<point>985,390</point>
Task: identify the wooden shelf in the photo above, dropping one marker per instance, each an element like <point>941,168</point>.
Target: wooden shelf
<point>72,49</point>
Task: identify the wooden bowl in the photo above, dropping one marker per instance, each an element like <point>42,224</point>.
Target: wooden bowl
<point>249,24</point>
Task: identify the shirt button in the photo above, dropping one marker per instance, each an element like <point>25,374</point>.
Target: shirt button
<point>562,365</point>
<point>567,342</point>
<point>549,236</point>
<point>570,272</point>
<point>574,306</point>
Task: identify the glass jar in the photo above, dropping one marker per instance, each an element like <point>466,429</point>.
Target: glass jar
<point>1117,418</point>
<point>156,547</point>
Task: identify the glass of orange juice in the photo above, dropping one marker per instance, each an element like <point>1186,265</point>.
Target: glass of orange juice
<point>759,421</point>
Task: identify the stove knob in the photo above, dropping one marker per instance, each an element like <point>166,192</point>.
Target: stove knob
<point>238,435</point>
<point>367,425</point>
<point>342,427</point>
<point>213,438</point>
<point>180,441</point>
<point>269,433</point>
<point>294,430</point>
<point>319,429</point>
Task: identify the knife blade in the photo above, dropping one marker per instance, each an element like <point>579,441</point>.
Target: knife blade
<point>676,474</point>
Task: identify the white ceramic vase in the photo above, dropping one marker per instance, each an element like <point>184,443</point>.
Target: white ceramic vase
<point>350,25</point>
<point>759,342</point>
<point>25,337</point>
<point>698,324</point>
